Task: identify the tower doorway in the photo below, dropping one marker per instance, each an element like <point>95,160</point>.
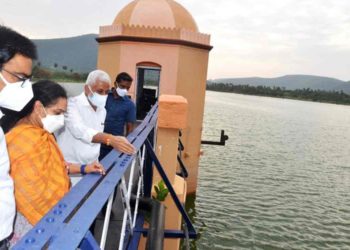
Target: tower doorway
<point>147,91</point>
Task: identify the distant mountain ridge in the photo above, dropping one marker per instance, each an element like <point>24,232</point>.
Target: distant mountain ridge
<point>291,82</point>
<point>80,55</point>
<point>76,53</point>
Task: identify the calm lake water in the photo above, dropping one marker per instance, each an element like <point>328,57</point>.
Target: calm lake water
<point>281,182</point>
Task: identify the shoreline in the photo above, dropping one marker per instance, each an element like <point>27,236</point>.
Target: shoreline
<point>281,97</point>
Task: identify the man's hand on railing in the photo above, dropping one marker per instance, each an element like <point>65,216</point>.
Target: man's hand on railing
<point>121,144</point>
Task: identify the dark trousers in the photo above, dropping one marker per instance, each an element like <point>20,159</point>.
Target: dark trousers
<point>4,244</point>
<point>104,151</point>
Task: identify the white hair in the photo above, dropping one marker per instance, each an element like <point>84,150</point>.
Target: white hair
<point>97,75</point>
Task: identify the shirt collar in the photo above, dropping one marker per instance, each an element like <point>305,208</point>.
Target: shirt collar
<point>1,114</point>
<point>83,99</point>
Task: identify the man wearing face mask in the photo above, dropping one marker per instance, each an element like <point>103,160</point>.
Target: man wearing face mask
<point>82,135</point>
<point>121,111</point>
<point>16,57</point>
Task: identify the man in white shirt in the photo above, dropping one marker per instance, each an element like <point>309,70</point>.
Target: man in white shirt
<point>82,135</point>
<point>16,58</point>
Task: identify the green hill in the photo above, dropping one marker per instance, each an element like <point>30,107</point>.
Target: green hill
<point>75,53</point>
<point>291,82</point>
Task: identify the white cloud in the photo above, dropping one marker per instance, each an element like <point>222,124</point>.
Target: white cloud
<point>250,38</point>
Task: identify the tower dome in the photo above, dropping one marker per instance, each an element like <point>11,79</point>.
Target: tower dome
<point>156,13</point>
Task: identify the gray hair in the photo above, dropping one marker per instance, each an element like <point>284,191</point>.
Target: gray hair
<point>97,75</point>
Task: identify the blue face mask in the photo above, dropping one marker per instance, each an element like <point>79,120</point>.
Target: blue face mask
<point>97,99</point>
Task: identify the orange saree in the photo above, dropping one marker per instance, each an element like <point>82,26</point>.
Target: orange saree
<point>38,170</point>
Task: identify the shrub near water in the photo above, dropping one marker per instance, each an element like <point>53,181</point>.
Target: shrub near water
<point>161,191</point>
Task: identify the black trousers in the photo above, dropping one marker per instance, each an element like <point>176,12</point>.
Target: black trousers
<point>4,244</point>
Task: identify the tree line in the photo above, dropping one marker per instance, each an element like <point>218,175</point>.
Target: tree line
<point>40,72</point>
<point>307,94</point>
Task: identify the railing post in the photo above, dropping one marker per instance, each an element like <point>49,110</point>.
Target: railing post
<point>148,172</point>
<point>172,116</point>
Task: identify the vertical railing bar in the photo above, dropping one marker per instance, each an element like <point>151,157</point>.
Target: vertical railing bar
<point>137,202</point>
<point>140,183</point>
<point>138,189</point>
<point>122,233</point>
<point>106,222</point>
<point>131,178</point>
<point>141,168</point>
<point>127,210</point>
<point>139,156</point>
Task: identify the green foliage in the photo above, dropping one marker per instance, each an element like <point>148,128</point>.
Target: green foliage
<point>299,94</point>
<point>41,73</point>
<point>56,75</point>
<point>161,191</point>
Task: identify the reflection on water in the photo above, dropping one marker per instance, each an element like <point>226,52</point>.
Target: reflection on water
<point>282,181</point>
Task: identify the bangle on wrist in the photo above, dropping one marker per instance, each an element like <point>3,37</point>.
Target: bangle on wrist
<point>68,169</point>
<point>108,141</point>
<point>82,169</point>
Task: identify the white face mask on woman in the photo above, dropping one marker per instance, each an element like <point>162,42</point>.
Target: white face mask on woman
<point>97,99</point>
<point>15,95</point>
<point>52,123</point>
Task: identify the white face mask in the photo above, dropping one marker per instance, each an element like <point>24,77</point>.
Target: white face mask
<point>52,123</point>
<point>15,95</point>
<point>97,99</point>
<point>122,92</point>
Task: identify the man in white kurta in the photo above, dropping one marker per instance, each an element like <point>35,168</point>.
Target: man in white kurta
<point>82,123</point>
<point>82,135</point>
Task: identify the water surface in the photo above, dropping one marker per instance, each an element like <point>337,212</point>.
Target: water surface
<point>282,181</point>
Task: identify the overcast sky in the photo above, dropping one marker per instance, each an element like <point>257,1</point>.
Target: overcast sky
<point>264,38</point>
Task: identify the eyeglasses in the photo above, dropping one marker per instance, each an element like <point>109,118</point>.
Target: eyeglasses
<point>21,78</point>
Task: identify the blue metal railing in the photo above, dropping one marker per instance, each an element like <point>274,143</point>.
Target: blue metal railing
<point>66,225</point>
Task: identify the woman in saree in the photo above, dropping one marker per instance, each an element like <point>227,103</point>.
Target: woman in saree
<point>37,167</point>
